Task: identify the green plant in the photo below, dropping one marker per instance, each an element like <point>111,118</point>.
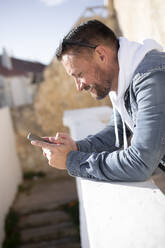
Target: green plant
<point>33,174</point>
<point>23,188</point>
<point>72,208</point>
<point>12,235</point>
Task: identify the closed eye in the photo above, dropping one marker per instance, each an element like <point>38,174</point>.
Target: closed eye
<point>79,75</point>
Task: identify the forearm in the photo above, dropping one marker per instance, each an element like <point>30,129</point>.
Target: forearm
<point>104,140</point>
<point>106,166</point>
<point>129,165</point>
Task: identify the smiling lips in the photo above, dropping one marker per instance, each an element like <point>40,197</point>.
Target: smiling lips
<point>87,87</point>
<point>90,88</point>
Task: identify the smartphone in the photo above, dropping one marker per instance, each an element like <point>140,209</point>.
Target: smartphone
<point>34,137</point>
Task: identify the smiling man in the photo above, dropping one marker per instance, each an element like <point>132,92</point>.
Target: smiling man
<point>133,75</point>
<point>96,72</point>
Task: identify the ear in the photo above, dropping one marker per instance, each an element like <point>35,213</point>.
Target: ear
<point>101,53</point>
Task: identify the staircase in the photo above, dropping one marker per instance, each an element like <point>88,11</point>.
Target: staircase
<point>46,209</point>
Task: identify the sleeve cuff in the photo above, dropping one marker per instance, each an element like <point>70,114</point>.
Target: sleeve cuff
<point>83,145</point>
<point>73,163</point>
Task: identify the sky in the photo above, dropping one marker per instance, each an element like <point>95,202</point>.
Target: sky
<point>32,29</point>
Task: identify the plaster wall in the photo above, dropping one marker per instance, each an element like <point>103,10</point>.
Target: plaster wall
<point>10,171</point>
<point>141,19</point>
<point>19,89</point>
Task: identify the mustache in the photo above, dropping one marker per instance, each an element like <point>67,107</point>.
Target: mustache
<point>87,87</point>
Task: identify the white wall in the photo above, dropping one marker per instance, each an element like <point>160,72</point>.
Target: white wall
<point>10,171</point>
<point>118,215</point>
<point>2,92</point>
<point>19,90</point>
<point>141,19</point>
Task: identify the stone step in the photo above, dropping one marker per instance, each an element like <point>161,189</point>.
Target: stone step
<point>52,232</point>
<point>63,243</point>
<point>43,219</point>
<point>45,195</point>
<point>48,245</point>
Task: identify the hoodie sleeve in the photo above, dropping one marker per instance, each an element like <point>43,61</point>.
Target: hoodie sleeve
<point>139,160</point>
<point>104,140</point>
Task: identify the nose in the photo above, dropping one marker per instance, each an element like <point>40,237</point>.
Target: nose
<point>80,85</point>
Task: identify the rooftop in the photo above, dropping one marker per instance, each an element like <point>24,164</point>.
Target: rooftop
<point>20,67</point>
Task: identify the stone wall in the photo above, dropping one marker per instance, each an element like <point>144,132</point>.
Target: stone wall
<point>25,121</point>
<point>141,19</point>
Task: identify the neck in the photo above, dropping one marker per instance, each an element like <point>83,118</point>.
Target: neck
<point>116,75</point>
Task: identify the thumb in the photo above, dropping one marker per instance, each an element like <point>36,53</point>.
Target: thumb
<point>52,139</point>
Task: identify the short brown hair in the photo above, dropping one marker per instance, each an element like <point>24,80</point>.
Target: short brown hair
<point>86,36</point>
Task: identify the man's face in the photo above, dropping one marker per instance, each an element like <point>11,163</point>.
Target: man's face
<point>90,74</point>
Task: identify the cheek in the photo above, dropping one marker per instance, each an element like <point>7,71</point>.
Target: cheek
<point>98,74</point>
<point>84,80</point>
<point>91,77</point>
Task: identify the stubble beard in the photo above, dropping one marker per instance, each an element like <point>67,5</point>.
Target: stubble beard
<point>103,85</point>
<point>101,91</point>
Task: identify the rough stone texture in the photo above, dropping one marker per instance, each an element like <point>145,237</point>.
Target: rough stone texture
<point>50,232</point>
<point>43,219</point>
<point>141,19</point>
<point>24,121</point>
<point>44,195</point>
<point>44,209</point>
<point>64,243</point>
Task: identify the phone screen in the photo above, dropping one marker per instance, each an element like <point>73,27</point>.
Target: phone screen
<point>34,137</point>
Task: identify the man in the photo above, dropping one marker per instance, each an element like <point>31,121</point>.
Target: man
<point>133,75</point>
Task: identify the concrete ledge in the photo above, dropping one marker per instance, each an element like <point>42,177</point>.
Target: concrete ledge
<point>116,214</point>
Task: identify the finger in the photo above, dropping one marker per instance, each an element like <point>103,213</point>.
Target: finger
<point>62,138</point>
<point>45,138</point>
<point>49,162</point>
<point>43,144</point>
<point>51,139</point>
<point>45,151</point>
<point>62,135</point>
<point>44,154</point>
<point>60,141</point>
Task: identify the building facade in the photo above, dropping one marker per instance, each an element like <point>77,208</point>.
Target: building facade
<point>19,80</point>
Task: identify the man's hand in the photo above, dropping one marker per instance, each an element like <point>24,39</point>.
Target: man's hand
<point>64,138</point>
<point>57,152</point>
